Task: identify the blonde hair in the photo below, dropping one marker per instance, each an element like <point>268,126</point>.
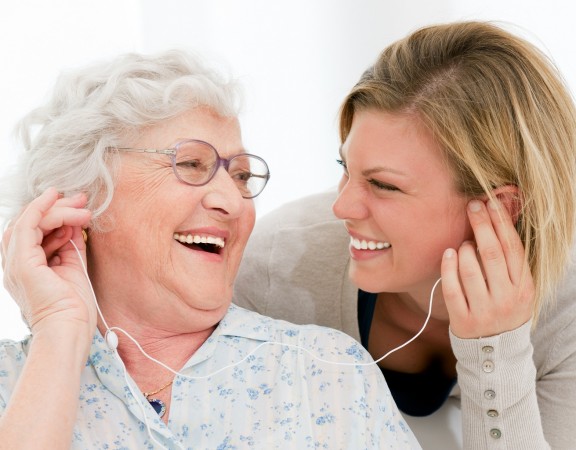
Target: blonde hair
<point>502,115</point>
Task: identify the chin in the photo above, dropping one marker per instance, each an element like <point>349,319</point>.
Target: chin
<point>214,302</point>
<point>210,312</point>
<point>366,282</point>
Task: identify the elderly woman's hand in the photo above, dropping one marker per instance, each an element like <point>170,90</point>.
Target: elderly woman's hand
<point>42,270</point>
<point>487,285</point>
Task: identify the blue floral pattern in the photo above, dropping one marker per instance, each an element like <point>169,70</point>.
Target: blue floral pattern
<point>250,386</point>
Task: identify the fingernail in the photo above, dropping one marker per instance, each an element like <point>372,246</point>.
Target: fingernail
<point>449,253</point>
<point>493,204</point>
<point>59,232</point>
<point>474,206</point>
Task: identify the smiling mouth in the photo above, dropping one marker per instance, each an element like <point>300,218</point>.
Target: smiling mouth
<point>368,245</point>
<point>202,243</point>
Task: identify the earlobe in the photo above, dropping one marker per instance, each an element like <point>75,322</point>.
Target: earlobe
<point>510,198</point>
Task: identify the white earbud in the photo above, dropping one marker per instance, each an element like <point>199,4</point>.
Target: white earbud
<point>111,340</point>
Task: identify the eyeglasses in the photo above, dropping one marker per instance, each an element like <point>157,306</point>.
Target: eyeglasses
<point>196,162</point>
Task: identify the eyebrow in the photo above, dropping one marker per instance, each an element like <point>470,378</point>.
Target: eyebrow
<point>376,169</point>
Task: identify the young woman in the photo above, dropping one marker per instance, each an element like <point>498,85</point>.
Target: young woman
<point>458,150</point>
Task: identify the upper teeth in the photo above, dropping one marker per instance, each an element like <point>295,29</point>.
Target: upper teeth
<point>197,239</point>
<point>368,245</point>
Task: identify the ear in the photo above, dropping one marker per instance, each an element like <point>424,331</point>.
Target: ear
<point>510,198</point>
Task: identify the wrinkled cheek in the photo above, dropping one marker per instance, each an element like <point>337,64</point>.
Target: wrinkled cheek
<point>232,266</point>
<point>250,221</point>
<point>247,223</point>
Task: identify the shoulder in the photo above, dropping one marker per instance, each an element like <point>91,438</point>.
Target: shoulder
<point>554,337</point>
<point>317,342</point>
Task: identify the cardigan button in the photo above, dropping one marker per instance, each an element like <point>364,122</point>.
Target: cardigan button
<point>489,394</point>
<point>495,433</point>
<point>488,366</point>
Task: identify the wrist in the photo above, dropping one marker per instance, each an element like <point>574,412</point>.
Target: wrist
<point>70,338</point>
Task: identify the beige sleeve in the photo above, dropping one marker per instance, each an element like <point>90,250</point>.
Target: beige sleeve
<point>508,401</point>
<point>498,391</point>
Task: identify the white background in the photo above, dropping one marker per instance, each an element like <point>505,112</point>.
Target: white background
<point>297,59</point>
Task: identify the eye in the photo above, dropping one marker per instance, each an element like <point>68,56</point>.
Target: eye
<point>190,164</point>
<point>243,180</point>
<point>242,176</point>
<point>343,164</point>
<point>382,186</point>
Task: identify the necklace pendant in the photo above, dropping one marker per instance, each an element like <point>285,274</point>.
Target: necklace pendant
<point>158,405</point>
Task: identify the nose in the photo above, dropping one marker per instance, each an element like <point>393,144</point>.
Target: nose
<point>350,201</point>
<point>223,196</point>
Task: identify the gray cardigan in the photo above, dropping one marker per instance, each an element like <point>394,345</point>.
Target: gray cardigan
<point>295,268</point>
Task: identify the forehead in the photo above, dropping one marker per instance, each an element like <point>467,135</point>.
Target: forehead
<point>201,123</point>
<point>398,143</point>
<point>403,134</point>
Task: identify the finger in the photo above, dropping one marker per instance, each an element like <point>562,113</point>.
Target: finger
<point>5,242</point>
<point>26,227</point>
<point>22,242</point>
<point>7,234</point>
<point>54,261</point>
<point>493,261</point>
<point>57,217</point>
<point>472,278</point>
<point>55,240</point>
<point>38,207</point>
<point>37,219</point>
<point>66,210</point>
<point>62,247</point>
<point>510,242</point>
<point>454,297</point>
<point>77,200</point>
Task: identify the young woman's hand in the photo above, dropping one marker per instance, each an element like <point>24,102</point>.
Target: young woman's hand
<point>487,284</point>
<point>42,270</point>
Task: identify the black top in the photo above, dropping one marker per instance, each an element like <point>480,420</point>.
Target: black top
<point>416,394</point>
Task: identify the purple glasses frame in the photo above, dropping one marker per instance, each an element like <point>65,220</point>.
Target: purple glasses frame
<point>219,162</point>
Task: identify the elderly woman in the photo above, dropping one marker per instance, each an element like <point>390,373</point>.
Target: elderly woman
<point>135,169</point>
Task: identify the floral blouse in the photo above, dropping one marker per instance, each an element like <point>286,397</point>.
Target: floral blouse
<point>256,383</point>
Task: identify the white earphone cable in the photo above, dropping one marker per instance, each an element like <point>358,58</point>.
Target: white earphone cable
<point>112,341</point>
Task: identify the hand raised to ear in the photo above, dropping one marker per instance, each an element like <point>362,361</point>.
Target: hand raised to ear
<point>42,270</point>
<point>487,284</point>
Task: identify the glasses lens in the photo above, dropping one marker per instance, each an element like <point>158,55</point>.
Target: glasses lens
<point>195,162</point>
<point>250,173</point>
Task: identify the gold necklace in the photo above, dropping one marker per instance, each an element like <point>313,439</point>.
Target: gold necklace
<point>158,405</point>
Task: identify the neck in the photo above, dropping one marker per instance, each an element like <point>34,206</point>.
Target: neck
<point>172,349</point>
<point>418,302</point>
